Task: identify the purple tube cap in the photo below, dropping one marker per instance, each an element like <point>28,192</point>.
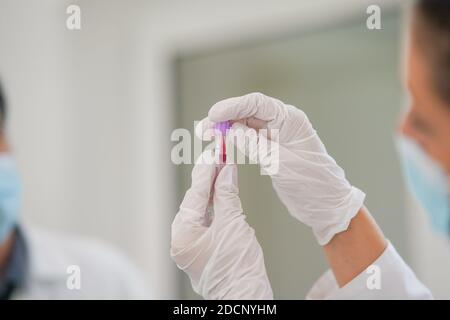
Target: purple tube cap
<point>223,126</point>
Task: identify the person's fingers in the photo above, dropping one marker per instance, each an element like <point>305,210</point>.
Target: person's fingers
<point>192,219</point>
<point>204,130</point>
<point>245,140</point>
<point>254,105</point>
<point>255,146</point>
<point>227,204</point>
<point>249,141</point>
<point>196,199</point>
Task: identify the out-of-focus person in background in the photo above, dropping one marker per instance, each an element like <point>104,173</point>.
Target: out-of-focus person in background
<point>223,258</point>
<point>37,264</point>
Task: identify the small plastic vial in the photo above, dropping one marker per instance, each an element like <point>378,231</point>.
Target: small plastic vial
<point>221,132</point>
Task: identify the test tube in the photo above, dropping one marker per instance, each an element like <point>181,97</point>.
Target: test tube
<point>221,129</point>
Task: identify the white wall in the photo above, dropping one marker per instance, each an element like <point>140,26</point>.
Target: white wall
<point>89,127</point>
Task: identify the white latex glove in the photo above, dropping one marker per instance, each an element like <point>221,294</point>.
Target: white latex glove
<point>221,256</point>
<point>308,181</point>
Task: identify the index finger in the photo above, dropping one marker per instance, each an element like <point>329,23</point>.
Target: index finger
<point>253,105</point>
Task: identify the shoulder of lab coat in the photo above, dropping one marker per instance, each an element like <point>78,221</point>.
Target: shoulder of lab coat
<point>104,272</point>
<point>397,281</point>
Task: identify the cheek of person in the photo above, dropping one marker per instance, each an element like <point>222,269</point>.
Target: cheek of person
<point>428,119</point>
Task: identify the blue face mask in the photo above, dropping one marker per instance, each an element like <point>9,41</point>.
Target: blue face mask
<point>428,183</point>
<point>9,195</point>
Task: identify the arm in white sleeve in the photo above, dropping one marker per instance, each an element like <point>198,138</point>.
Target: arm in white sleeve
<point>388,277</point>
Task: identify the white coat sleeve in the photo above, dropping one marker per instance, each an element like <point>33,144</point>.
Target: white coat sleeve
<point>389,277</point>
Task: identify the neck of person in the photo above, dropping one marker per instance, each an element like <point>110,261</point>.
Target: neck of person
<point>5,251</point>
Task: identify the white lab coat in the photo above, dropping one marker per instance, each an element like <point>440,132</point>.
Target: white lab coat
<point>397,281</point>
<point>105,274</point>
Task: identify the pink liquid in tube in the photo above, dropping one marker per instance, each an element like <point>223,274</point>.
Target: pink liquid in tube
<point>222,128</point>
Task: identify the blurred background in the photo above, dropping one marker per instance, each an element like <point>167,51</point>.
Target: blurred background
<point>92,111</point>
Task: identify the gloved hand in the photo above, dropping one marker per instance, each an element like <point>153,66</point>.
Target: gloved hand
<point>221,255</point>
<point>308,181</point>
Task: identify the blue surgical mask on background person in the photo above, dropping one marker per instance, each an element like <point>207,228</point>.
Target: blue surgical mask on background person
<point>428,182</point>
<point>10,192</point>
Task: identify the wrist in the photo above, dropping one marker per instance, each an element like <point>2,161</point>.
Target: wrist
<point>350,252</point>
